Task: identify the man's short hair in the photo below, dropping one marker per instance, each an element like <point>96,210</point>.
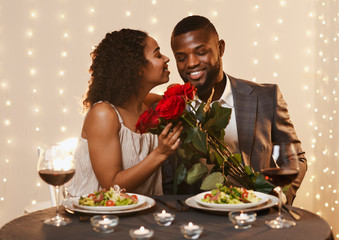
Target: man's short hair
<point>193,23</point>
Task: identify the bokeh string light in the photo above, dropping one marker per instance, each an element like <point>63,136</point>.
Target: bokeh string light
<point>326,104</point>
<point>271,34</point>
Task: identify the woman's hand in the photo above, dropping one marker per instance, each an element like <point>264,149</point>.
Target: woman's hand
<point>169,140</point>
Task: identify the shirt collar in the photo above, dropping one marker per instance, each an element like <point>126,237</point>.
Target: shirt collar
<point>226,97</point>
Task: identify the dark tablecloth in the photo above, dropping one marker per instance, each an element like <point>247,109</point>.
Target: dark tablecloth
<point>30,226</point>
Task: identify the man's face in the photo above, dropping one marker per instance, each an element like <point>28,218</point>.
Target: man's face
<point>198,56</point>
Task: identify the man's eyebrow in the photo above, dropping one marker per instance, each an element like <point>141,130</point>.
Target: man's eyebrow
<point>157,49</point>
<point>200,46</point>
<point>196,48</point>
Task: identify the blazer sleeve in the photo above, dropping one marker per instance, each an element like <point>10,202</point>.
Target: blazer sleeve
<point>283,131</point>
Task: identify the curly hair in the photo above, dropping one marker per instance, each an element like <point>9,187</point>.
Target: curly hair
<point>116,68</point>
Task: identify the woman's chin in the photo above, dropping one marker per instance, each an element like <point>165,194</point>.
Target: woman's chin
<point>164,80</point>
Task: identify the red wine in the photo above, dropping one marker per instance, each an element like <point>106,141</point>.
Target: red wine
<point>280,177</point>
<point>56,178</point>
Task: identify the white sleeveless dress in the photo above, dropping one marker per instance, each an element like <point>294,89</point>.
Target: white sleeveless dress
<point>134,148</point>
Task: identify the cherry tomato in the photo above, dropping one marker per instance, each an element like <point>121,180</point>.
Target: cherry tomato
<point>134,198</point>
<point>91,195</point>
<point>110,203</point>
<point>207,195</point>
<point>245,193</point>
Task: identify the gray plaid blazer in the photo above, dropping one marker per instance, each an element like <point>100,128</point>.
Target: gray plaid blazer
<point>262,119</point>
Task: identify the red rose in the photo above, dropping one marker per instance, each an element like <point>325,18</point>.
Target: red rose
<point>173,91</point>
<point>187,90</point>
<point>171,107</point>
<point>148,119</point>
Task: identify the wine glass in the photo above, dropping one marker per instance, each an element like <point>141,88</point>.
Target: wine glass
<point>56,167</point>
<point>284,173</point>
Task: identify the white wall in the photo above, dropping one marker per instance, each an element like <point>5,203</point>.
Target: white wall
<point>41,39</point>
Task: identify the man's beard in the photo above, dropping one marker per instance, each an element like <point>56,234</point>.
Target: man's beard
<point>211,78</point>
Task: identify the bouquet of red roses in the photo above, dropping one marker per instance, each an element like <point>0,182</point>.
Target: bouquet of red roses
<point>202,137</point>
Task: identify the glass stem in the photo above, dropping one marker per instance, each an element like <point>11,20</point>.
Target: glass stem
<point>57,201</point>
<point>280,204</point>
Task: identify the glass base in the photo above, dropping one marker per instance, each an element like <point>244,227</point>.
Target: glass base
<point>280,223</point>
<point>57,221</point>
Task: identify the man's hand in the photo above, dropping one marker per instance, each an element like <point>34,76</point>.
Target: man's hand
<point>275,192</point>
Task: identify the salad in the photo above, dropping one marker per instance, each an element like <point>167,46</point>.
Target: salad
<point>113,197</point>
<point>230,195</point>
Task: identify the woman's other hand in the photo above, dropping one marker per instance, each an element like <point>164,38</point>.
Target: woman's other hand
<point>169,140</point>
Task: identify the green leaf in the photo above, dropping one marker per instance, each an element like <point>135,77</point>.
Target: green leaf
<point>222,116</point>
<point>237,156</point>
<point>199,139</point>
<point>262,185</point>
<point>186,151</point>
<point>218,119</point>
<point>211,155</point>
<point>197,171</point>
<point>249,170</point>
<point>201,115</point>
<point>219,158</point>
<point>285,189</point>
<point>211,180</point>
<point>179,176</point>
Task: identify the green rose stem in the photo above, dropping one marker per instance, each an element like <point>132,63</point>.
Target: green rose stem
<point>235,162</point>
<point>186,120</point>
<point>236,170</point>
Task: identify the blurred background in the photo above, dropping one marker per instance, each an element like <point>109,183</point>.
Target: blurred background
<point>45,56</point>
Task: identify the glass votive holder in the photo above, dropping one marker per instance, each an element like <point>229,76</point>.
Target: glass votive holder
<point>164,218</point>
<point>191,231</point>
<point>104,223</point>
<point>241,219</point>
<point>141,233</point>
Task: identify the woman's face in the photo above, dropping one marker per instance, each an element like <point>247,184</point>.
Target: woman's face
<point>156,72</point>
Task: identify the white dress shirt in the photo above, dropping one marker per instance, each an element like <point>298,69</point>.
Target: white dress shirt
<point>231,133</point>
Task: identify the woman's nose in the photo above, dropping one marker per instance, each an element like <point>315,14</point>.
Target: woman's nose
<point>166,59</point>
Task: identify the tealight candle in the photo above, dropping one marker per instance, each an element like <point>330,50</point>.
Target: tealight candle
<point>191,231</point>
<point>242,220</point>
<point>142,233</point>
<point>164,218</point>
<point>104,224</point>
<point>242,217</point>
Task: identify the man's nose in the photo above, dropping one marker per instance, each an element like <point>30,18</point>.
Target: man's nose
<point>193,61</point>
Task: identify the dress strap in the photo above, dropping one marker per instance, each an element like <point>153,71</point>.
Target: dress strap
<point>116,110</point>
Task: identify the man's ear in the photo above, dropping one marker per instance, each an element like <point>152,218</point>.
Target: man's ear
<point>221,46</point>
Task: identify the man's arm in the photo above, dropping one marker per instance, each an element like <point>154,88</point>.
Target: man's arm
<point>283,131</point>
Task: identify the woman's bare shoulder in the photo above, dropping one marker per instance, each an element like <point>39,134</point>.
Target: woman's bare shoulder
<point>102,117</point>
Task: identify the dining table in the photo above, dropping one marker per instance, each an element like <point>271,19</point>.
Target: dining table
<point>216,224</point>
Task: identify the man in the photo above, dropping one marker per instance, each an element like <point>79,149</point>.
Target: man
<point>259,112</point>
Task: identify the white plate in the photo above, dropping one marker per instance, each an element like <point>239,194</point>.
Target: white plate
<point>200,196</point>
<point>141,200</point>
<point>267,202</point>
<point>147,203</point>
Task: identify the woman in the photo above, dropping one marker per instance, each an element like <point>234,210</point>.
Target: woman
<point>126,65</point>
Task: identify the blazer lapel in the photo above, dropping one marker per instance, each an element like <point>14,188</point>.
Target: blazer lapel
<point>245,105</point>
